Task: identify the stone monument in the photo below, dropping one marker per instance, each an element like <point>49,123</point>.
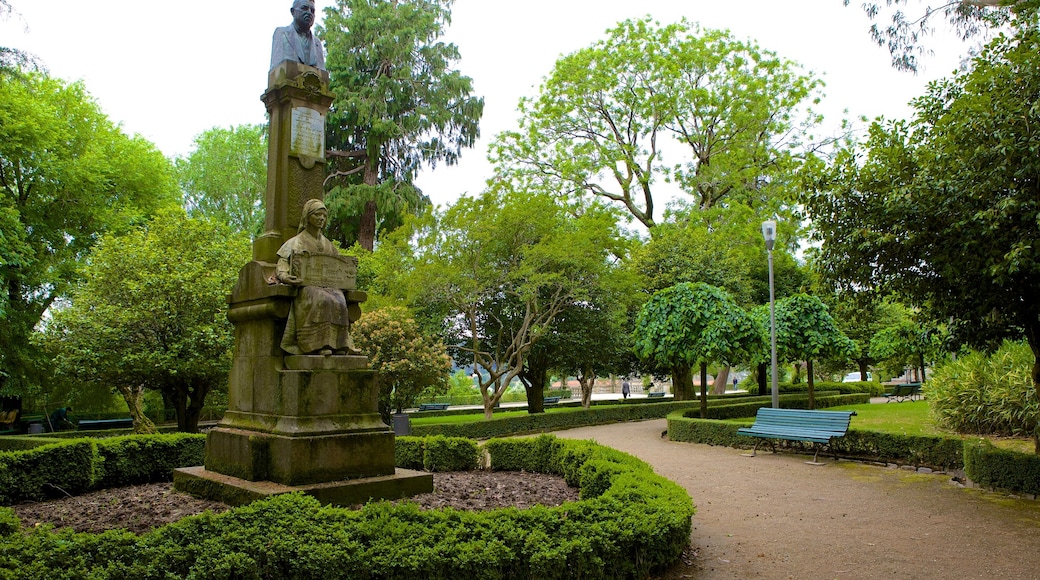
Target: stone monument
<point>302,403</point>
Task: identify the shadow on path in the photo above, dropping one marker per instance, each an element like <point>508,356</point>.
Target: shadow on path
<point>774,516</point>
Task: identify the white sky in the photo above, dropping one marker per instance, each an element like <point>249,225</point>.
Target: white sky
<point>170,70</point>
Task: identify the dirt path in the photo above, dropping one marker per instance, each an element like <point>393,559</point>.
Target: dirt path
<point>773,516</point>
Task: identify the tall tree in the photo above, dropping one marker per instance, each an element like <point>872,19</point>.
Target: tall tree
<point>695,324</point>
<point>805,330</point>
<point>225,176</point>
<point>502,267</point>
<point>733,113</point>
<point>400,105</point>
<point>152,314</point>
<point>68,175</point>
<point>943,210</point>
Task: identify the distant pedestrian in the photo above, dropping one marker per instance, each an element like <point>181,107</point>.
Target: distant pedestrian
<point>734,383</point>
<point>59,419</point>
<point>625,390</point>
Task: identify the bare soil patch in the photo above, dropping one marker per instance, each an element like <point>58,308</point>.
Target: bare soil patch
<point>140,508</point>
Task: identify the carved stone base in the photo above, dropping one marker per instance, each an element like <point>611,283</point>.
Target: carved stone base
<point>235,492</point>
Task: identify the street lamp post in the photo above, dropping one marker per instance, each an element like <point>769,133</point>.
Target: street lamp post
<point>769,233</point>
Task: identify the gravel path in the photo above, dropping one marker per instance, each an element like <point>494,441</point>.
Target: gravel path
<point>774,516</point>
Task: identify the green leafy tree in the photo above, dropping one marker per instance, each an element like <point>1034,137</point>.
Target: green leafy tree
<point>225,176</point>
<point>907,343</point>
<point>806,331</point>
<point>410,364</point>
<point>695,324</point>
<point>151,313</point>
<point>400,105</point>
<point>942,210</point>
<point>861,315</point>
<point>68,175</point>
<point>498,269</point>
<point>732,111</point>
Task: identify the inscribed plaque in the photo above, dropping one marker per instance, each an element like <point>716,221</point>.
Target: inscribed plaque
<point>307,136</point>
<point>324,270</point>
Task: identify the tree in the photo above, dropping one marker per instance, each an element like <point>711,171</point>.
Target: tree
<point>694,323</point>
<point>806,331</point>
<point>410,364</point>
<point>587,339</point>
<point>906,343</point>
<point>943,210</point>
<point>151,313</point>
<point>969,18</point>
<point>225,176</point>
<point>68,175</point>
<point>861,315</point>
<point>500,268</point>
<point>733,111</point>
<point>399,105</point>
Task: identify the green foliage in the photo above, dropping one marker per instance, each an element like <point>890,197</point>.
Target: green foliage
<point>224,177</point>
<point>79,465</point>
<point>735,112</point>
<point>68,175</point>
<point>689,324</point>
<point>408,452</point>
<point>986,394</point>
<point>805,330</point>
<point>637,524</point>
<point>410,364</point>
<point>152,313</point>
<point>400,105</point>
<point>450,454</point>
<point>989,466</point>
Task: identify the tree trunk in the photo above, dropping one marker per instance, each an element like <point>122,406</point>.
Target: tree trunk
<point>862,370</point>
<point>1033,338</point>
<point>134,397</point>
<point>367,226</point>
<point>721,381</point>
<point>812,394</point>
<point>704,390</point>
<point>922,366</point>
<point>763,386</point>
<point>797,378</point>
<point>682,383</point>
<point>587,380</point>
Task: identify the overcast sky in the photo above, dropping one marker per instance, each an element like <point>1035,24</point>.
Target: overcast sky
<point>170,70</point>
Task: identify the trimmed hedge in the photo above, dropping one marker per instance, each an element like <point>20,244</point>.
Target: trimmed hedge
<point>989,466</point>
<point>629,523</point>
<point>80,465</point>
<point>437,453</point>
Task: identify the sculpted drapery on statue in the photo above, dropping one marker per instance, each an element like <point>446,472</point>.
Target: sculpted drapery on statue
<point>318,320</point>
<point>296,42</point>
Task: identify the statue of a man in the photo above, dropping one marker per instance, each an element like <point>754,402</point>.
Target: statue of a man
<point>319,322</point>
<point>296,42</point>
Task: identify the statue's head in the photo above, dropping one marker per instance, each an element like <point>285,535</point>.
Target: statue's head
<point>314,208</point>
<point>303,14</point>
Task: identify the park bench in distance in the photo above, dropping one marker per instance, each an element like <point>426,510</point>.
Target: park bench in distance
<point>550,401</point>
<point>655,394</point>
<point>102,424</point>
<point>817,427</point>
<point>433,406</point>
<point>904,392</point>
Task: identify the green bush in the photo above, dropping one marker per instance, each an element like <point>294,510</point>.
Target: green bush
<point>990,466</point>
<point>78,465</point>
<point>982,394</point>
<point>450,454</point>
<point>635,523</point>
<point>408,452</point>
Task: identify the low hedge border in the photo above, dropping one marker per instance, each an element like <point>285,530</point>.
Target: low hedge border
<point>1001,469</point>
<point>629,523</point>
<point>76,466</point>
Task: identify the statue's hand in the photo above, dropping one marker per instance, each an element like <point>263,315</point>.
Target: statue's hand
<point>290,279</point>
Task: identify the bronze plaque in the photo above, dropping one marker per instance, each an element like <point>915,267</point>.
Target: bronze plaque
<point>324,270</point>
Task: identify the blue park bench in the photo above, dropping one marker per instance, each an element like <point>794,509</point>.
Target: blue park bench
<point>817,427</point>
<point>550,400</point>
<point>655,394</point>
<point>433,406</point>
<point>904,392</point>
